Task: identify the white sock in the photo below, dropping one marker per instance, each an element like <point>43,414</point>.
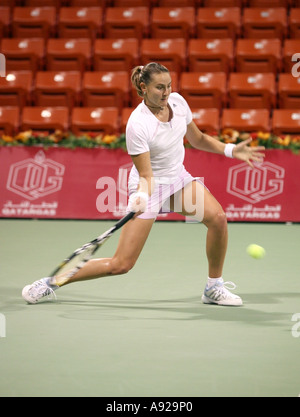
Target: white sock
<point>213,281</point>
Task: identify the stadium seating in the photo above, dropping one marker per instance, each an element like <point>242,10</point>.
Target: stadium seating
<point>126,22</point>
<point>105,89</point>
<point>252,90</point>
<point>169,52</point>
<point>43,3</point>
<point>263,22</point>
<point>69,54</point>
<point>23,54</point>
<point>34,22</point>
<point>172,22</point>
<point>204,90</point>
<point>45,119</point>
<point>218,22</point>
<point>115,54</point>
<point>211,55</point>
<point>223,3</point>
<point>5,21</point>
<point>290,55</point>
<point>258,55</point>
<point>223,55</point>
<point>103,120</point>
<point>86,3</point>
<point>288,91</point>
<point>126,112</point>
<point>16,89</point>
<point>54,88</point>
<point>286,121</point>
<point>207,120</point>
<point>9,120</point>
<point>78,22</point>
<point>246,120</point>
<point>294,23</point>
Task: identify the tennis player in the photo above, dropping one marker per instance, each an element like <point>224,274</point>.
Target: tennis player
<point>154,135</point>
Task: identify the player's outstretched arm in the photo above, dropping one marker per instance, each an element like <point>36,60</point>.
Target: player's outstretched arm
<point>241,151</point>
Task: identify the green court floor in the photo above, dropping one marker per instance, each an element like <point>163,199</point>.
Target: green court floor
<point>147,333</point>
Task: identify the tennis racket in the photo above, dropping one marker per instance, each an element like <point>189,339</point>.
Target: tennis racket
<point>80,256</point>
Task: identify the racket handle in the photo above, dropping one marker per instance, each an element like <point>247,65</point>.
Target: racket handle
<point>124,220</point>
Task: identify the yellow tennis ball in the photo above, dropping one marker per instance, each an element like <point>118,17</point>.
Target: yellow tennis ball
<point>256,251</point>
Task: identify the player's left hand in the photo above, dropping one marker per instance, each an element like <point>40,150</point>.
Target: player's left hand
<point>247,153</point>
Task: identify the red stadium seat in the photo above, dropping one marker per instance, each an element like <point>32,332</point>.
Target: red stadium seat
<point>5,21</point>
<point>86,3</point>
<point>132,3</point>
<point>69,54</point>
<point>43,3</point>
<point>204,90</point>
<point>23,54</point>
<point>80,22</point>
<point>263,22</point>
<point>294,23</point>
<point>105,89</point>
<point>286,122</point>
<point>269,3</point>
<point>207,120</point>
<point>246,120</point>
<point>126,112</point>
<point>34,22</point>
<point>168,52</point>
<point>126,22</point>
<point>254,55</point>
<point>290,56</point>
<point>9,120</point>
<point>45,118</point>
<point>178,3</point>
<point>173,22</point>
<point>53,88</point>
<point>252,90</point>
<point>103,120</point>
<point>211,55</point>
<point>9,3</point>
<point>288,91</point>
<point>16,89</point>
<point>223,3</point>
<point>115,54</point>
<point>218,22</point>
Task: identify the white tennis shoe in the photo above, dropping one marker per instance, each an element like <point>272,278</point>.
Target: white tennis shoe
<point>39,289</point>
<point>219,294</point>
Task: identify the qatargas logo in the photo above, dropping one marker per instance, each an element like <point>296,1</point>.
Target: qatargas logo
<point>32,179</point>
<point>255,185</point>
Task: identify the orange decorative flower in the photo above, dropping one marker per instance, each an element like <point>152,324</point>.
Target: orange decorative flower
<point>107,139</point>
<point>7,138</point>
<point>263,135</point>
<point>229,135</point>
<point>24,136</point>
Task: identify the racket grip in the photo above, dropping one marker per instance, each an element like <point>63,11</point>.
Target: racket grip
<point>124,220</point>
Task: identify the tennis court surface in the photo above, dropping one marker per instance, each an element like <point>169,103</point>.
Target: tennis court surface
<point>147,333</point>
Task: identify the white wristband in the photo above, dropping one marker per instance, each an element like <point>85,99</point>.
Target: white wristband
<point>229,150</point>
<point>142,205</point>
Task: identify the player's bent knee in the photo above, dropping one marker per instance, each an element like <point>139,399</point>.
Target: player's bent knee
<point>122,267</point>
<point>218,220</point>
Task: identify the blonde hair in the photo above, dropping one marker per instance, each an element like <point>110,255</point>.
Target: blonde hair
<point>142,74</point>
